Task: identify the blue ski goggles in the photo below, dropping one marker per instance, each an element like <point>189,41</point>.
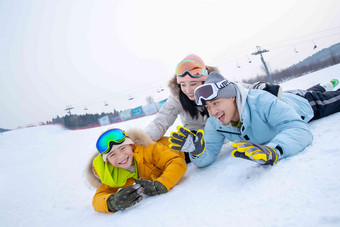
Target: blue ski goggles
<point>111,137</point>
<point>191,68</point>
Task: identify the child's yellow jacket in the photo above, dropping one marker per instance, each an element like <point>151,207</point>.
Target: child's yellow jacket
<point>154,162</point>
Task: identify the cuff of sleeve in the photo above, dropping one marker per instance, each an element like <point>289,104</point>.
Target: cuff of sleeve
<point>109,206</point>
<point>278,149</point>
<point>194,156</point>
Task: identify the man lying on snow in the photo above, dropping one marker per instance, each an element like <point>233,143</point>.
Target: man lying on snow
<point>262,127</point>
<point>129,166</point>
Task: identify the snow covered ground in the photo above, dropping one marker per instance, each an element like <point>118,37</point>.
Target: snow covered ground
<point>43,182</point>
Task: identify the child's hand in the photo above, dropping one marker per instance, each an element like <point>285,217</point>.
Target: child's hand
<point>152,188</point>
<point>125,197</point>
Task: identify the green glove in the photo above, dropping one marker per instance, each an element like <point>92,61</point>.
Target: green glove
<point>263,155</point>
<point>186,141</point>
<point>152,188</point>
<point>125,197</point>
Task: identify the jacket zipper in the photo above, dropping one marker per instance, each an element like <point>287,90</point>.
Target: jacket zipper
<point>235,133</point>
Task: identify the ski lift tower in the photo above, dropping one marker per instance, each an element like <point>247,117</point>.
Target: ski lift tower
<point>68,109</point>
<point>259,51</point>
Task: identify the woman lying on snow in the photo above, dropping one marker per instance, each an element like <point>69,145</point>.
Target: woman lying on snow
<point>191,72</point>
<point>129,166</point>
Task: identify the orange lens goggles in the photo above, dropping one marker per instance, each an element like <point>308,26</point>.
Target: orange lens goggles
<point>191,68</point>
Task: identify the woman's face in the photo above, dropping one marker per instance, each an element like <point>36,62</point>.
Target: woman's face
<point>188,88</point>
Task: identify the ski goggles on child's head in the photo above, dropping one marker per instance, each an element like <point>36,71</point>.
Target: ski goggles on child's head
<point>114,136</point>
<point>208,91</point>
<point>191,68</point>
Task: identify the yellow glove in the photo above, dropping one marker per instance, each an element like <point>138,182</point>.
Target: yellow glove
<point>186,141</point>
<point>263,155</point>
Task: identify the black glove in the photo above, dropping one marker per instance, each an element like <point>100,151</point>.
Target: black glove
<point>125,197</point>
<point>152,188</point>
<point>264,155</point>
<point>186,141</point>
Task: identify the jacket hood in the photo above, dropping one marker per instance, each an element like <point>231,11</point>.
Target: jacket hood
<point>174,87</point>
<point>138,136</point>
<point>241,97</point>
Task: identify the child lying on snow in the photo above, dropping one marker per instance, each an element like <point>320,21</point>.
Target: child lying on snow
<point>130,165</point>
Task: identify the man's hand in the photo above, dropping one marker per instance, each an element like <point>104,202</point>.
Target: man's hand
<point>186,141</point>
<point>263,155</point>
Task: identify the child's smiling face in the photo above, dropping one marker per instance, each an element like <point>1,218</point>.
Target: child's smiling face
<point>121,157</point>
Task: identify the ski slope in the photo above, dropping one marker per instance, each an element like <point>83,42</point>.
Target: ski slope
<point>43,181</point>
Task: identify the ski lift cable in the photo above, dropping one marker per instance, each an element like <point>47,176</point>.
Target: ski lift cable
<point>145,87</point>
<point>275,44</point>
<point>302,41</point>
<point>142,88</point>
<point>297,37</point>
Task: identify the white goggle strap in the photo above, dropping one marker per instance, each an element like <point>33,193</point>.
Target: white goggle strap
<point>222,84</point>
<point>215,87</point>
<point>214,93</point>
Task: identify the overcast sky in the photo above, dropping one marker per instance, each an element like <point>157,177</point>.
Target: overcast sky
<point>87,53</point>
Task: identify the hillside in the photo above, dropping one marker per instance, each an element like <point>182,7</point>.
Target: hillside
<point>322,55</point>
<point>43,181</point>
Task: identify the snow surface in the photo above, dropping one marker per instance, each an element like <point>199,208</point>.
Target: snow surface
<point>43,181</point>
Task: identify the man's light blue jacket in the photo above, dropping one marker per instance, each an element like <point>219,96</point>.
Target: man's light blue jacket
<point>266,120</point>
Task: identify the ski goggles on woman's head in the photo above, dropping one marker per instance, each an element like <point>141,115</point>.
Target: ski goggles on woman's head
<point>209,91</point>
<point>113,136</point>
<point>191,68</point>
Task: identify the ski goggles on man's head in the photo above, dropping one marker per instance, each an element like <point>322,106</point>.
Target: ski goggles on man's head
<point>191,68</point>
<point>208,91</point>
<point>114,136</point>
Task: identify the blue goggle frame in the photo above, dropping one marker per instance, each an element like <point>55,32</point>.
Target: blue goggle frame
<point>113,136</point>
<point>186,72</point>
<point>193,64</point>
